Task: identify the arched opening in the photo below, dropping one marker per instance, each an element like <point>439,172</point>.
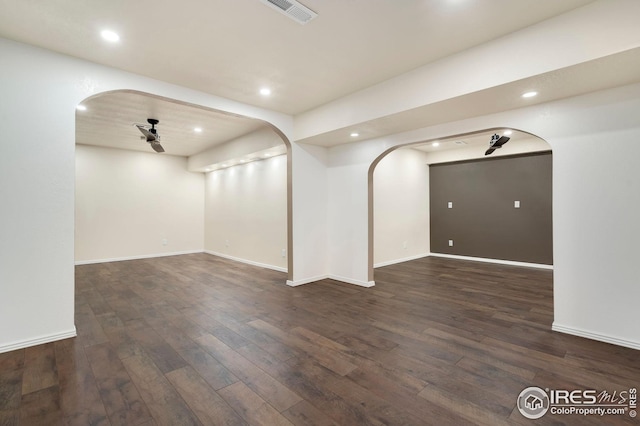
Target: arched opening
<point>399,189</point>
<point>132,202</point>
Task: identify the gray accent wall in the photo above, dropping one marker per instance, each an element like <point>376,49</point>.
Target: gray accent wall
<point>483,221</point>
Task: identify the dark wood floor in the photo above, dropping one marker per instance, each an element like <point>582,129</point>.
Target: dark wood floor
<point>197,339</point>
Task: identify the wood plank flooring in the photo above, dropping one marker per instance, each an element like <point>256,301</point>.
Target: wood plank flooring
<point>197,339</point>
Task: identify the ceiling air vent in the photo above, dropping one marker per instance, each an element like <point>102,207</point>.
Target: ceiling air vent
<point>460,142</point>
<point>294,10</point>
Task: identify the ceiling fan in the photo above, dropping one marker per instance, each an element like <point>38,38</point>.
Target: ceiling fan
<point>151,135</point>
<point>496,142</point>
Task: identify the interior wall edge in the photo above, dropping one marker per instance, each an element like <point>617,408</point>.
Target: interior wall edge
<point>352,281</point>
<point>138,257</point>
<point>595,336</point>
<point>246,261</point>
<point>21,344</point>
<point>296,283</point>
<point>343,280</point>
<point>402,260</point>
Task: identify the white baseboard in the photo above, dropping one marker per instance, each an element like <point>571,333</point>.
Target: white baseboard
<point>595,336</point>
<point>498,261</point>
<point>331,277</point>
<point>248,262</point>
<point>405,259</point>
<point>306,280</point>
<point>38,341</point>
<point>144,256</point>
<point>352,281</point>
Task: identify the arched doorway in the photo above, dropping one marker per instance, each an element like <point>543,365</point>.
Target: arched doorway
<point>197,140</point>
<point>402,191</point>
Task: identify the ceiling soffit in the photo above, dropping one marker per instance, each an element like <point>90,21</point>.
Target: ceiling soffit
<point>233,48</point>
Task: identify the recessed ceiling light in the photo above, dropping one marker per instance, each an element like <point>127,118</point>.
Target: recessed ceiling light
<point>507,132</point>
<point>224,165</point>
<point>110,36</point>
<point>265,91</point>
<point>197,130</point>
<point>207,170</point>
<point>355,134</point>
<point>243,161</point>
<point>529,94</point>
<point>436,144</point>
<point>267,155</point>
<point>81,108</point>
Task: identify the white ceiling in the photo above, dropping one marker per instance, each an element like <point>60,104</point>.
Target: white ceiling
<point>232,48</point>
<point>109,121</point>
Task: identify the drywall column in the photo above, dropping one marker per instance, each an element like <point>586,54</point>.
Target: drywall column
<point>348,227</point>
<point>596,232</point>
<point>37,130</point>
<point>309,213</point>
<point>348,234</point>
<point>596,146</point>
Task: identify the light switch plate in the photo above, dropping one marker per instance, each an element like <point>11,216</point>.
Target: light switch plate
<point>516,204</point>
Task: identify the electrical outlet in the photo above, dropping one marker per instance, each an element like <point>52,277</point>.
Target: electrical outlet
<point>450,243</point>
<point>404,245</point>
<point>164,242</point>
<point>226,243</point>
<point>284,252</point>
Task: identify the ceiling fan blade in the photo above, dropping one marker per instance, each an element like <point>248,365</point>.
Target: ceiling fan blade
<point>150,136</point>
<point>502,141</point>
<point>156,146</point>
<point>489,151</point>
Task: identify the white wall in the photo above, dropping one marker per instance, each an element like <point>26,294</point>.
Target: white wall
<point>401,206</point>
<point>246,212</point>
<point>129,203</point>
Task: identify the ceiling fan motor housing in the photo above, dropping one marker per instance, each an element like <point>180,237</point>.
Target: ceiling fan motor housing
<point>153,122</point>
